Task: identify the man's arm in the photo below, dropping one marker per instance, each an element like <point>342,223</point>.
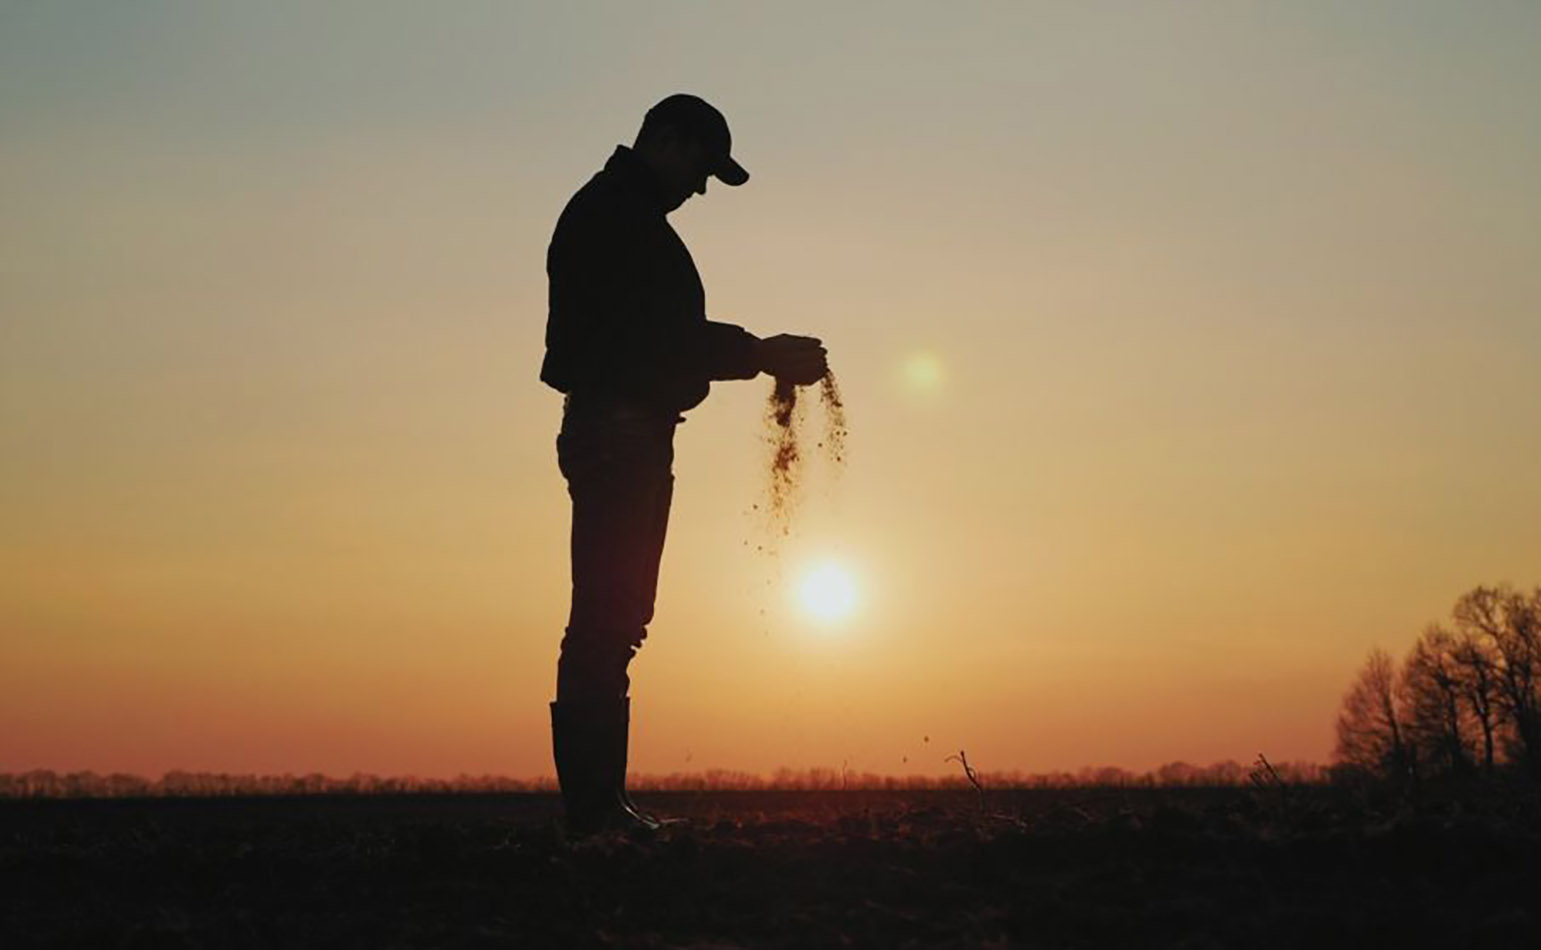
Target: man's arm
<point>730,351</point>
<point>735,353</point>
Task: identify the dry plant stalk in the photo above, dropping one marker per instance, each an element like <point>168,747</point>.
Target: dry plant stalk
<point>1263,774</point>
<point>1267,781</point>
<point>968,770</point>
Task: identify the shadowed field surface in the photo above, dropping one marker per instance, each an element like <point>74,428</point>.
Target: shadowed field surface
<point>1061,868</point>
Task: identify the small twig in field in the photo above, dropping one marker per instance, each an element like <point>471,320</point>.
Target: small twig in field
<point>1263,774</point>
<point>1266,778</point>
<point>968,770</point>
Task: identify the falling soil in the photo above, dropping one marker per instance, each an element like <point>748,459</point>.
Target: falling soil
<point>834,420</point>
<point>783,420</point>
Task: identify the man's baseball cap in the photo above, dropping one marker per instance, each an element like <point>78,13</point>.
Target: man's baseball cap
<point>697,118</point>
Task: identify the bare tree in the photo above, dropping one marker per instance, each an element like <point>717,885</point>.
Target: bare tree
<point>1510,622</point>
<point>1477,662</point>
<point>1370,722</point>
<point>1438,724</point>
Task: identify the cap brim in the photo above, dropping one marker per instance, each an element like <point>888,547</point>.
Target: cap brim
<point>731,172</point>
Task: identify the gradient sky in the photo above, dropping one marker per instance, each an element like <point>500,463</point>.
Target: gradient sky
<point>1189,350</point>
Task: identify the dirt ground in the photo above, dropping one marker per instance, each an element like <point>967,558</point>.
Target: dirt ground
<point>1190,868</point>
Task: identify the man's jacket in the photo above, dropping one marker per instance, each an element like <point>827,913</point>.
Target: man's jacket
<point>627,318</point>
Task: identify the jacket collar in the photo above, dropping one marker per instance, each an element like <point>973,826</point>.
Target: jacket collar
<point>637,178</point>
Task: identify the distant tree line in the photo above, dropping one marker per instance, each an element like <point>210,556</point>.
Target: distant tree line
<point>1464,701</point>
<point>1171,775</point>
<point>47,784</point>
<point>42,783</point>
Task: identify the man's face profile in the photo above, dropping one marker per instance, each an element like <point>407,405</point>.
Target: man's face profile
<point>681,162</point>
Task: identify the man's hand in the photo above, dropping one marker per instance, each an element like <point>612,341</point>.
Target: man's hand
<point>796,359</point>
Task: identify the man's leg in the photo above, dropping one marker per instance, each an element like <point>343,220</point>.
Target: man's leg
<point>646,595</point>
<point>619,478</point>
<point>620,520</point>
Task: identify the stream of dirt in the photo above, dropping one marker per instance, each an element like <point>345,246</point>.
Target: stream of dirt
<point>784,422</point>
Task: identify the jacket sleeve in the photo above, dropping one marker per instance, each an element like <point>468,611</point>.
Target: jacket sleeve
<point>731,351</point>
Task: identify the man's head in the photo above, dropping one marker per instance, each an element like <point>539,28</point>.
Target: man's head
<point>684,140</point>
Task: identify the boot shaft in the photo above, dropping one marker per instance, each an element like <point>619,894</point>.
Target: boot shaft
<point>588,742</point>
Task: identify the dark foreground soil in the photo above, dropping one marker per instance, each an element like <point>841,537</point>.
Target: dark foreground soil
<point>1077,868</point>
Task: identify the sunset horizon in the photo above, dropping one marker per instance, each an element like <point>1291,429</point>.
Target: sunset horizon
<point>1187,356</point>
<point>761,476</point>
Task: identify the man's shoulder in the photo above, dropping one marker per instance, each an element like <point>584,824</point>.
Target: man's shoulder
<point>603,195</point>
<point>596,210</point>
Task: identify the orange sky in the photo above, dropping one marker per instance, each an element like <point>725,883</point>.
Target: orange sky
<point>1188,353</point>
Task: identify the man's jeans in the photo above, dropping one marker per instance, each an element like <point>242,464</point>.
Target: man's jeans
<point>618,464</point>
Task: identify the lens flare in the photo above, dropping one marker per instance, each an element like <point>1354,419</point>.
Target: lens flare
<point>923,372</point>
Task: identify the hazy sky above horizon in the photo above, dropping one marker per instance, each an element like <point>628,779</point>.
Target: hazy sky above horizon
<point>1189,350</point>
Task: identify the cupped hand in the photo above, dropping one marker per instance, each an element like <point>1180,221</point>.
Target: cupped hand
<point>800,360</point>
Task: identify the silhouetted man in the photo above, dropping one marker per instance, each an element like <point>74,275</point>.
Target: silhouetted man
<point>628,341</point>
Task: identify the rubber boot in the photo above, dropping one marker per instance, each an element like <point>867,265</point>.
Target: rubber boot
<point>620,739</point>
<point>583,745</point>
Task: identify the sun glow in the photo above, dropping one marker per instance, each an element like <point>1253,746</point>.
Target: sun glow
<point>828,592</point>
<point>923,372</point>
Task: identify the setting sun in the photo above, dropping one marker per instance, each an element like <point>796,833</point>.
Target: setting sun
<point>828,592</point>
